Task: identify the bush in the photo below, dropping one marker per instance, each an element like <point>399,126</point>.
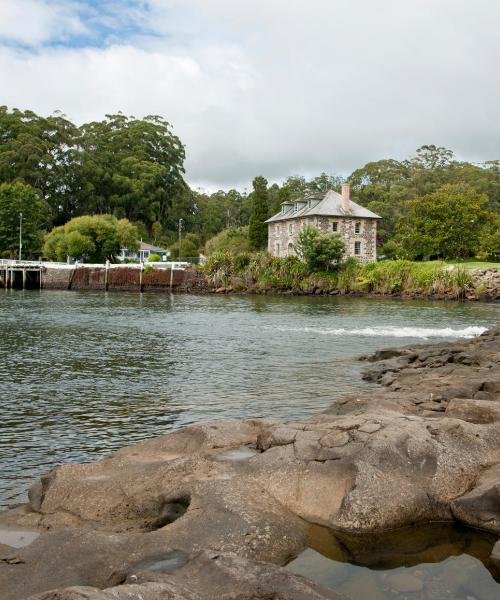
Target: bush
<point>232,239</point>
<point>318,250</point>
<point>154,258</point>
<point>93,238</point>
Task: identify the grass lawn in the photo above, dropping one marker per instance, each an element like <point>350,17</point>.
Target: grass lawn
<point>475,264</point>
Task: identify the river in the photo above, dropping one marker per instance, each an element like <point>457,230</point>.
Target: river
<point>84,373</point>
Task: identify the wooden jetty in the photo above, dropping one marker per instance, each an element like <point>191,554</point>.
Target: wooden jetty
<point>22,274</point>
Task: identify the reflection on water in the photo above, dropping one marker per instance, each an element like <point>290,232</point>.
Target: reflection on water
<point>84,373</point>
<point>433,562</point>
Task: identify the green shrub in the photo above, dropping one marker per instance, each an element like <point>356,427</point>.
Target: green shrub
<point>154,258</point>
<point>318,250</point>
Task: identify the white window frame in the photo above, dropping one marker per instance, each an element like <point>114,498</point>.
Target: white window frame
<point>357,245</point>
<point>335,226</point>
<point>357,227</point>
<point>290,228</point>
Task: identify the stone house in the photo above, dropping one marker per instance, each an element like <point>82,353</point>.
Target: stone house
<point>330,213</point>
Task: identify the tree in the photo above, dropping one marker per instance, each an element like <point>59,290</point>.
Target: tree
<point>447,223</point>
<point>39,151</point>
<point>129,167</point>
<point>232,239</point>
<point>91,238</point>
<point>320,251</point>
<point>189,247</point>
<point>323,183</point>
<point>19,198</point>
<point>257,232</point>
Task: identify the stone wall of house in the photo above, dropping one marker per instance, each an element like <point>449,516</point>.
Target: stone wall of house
<point>283,235</point>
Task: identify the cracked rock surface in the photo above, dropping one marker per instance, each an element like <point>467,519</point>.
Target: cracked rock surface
<point>423,447</point>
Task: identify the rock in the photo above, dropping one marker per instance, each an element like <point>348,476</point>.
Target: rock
<point>480,507</point>
<point>370,427</point>
<point>373,462</point>
<point>473,411</point>
<point>334,439</point>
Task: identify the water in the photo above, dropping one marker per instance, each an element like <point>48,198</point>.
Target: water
<point>431,562</point>
<point>84,373</point>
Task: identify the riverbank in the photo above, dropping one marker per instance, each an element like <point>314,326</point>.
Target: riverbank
<point>213,510</point>
<point>262,274</point>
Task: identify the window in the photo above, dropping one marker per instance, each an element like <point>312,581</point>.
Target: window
<point>335,227</point>
<point>277,229</point>
<point>357,228</point>
<point>277,249</point>
<point>290,228</point>
<point>357,248</point>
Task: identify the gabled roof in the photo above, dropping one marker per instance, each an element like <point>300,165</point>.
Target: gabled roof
<point>329,206</point>
<point>151,248</point>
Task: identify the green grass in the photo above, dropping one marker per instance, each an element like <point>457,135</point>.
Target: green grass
<point>261,272</point>
<point>475,264</point>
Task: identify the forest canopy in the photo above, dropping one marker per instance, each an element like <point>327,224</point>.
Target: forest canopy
<point>132,168</point>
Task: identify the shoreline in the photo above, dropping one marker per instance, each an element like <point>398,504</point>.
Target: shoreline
<point>486,287</point>
<point>430,433</point>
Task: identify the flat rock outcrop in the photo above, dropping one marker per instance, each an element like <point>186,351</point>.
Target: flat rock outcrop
<point>214,510</point>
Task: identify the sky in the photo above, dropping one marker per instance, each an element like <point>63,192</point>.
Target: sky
<point>266,87</point>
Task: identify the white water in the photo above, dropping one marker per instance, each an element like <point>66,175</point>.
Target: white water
<point>397,332</point>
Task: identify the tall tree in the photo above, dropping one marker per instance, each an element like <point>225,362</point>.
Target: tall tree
<point>257,232</point>
<point>447,223</point>
<point>39,151</point>
<point>17,198</point>
<point>129,167</point>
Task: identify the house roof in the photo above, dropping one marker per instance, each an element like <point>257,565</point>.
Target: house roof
<point>329,206</point>
<point>151,248</point>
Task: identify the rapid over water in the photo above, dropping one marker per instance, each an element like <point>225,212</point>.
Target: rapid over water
<point>82,374</point>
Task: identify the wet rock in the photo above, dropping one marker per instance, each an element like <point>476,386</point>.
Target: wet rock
<point>480,507</point>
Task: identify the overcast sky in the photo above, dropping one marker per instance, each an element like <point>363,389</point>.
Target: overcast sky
<point>270,87</point>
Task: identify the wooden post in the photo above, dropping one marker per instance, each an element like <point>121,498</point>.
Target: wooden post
<point>140,279</point>
<point>171,277</point>
<point>41,271</point>
<point>6,281</point>
<point>24,279</point>
<point>106,276</point>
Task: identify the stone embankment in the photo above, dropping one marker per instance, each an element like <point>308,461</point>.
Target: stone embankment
<point>88,278</point>
<point>214,510</point>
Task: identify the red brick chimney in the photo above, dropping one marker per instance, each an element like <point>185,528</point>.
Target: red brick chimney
<point>345,196</point>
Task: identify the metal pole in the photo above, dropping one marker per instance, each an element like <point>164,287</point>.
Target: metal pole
<point>20,235</point>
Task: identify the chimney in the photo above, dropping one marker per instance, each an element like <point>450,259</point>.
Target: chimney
<point>345,196</point>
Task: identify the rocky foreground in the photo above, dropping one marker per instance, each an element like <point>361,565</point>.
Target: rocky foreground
<point>228,503</point>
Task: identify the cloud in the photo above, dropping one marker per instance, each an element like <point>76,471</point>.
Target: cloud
<point>279,87</point>
<point>34,22</point>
